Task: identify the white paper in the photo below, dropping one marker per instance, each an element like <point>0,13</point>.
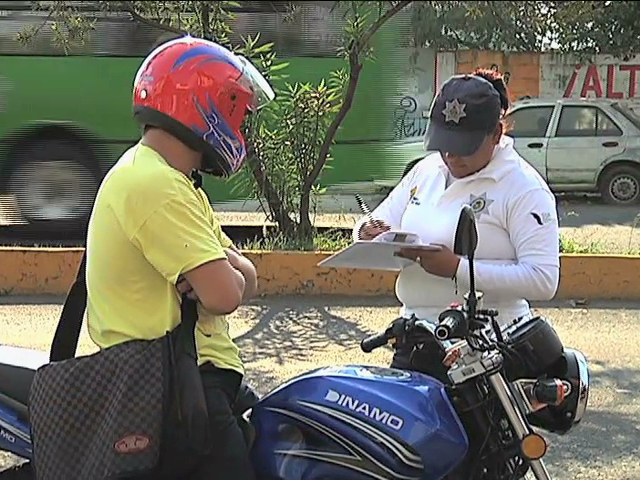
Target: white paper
<point>377,254</point>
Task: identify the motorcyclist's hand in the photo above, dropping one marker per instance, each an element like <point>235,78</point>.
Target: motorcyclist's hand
<point>443,262</point>
<point>183,286</point>
<point>370,230</point>
<point>246,268</point>
<point>235,258</point>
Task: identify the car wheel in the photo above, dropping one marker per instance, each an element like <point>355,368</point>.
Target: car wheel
<point>620,185</point>
<point>54,182</point>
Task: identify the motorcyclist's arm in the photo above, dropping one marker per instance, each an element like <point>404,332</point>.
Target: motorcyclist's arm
<point>532,222</point>
<point>179,239</point>
<point>207,280</point>
<point>239,262</point>
<point>248,271</point>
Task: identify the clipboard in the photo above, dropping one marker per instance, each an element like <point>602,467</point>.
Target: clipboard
<point>377,254</point>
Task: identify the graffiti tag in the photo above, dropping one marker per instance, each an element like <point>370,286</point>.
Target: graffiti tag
<point>409,120</point>
<point>592,83</point>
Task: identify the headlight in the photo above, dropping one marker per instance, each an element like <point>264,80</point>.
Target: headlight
<point>574,369</point>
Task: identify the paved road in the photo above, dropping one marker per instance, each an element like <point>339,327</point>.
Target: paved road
<point>281,337</point>
<point>583,212</point>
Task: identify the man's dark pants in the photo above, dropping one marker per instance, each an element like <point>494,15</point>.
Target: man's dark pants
<point>229,457</point>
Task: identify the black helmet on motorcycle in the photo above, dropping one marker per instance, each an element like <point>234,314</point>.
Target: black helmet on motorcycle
<point>573,368</point>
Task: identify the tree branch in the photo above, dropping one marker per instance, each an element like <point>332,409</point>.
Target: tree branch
<point>382,20</point>
<point>271,196</point>
<point>37,30</point>
<point>204,20</point>
<point>130,9</point>
<point>354,73</point>
<point>355,67</point>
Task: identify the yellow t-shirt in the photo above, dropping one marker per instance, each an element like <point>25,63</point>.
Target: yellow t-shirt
<point>148,226</point>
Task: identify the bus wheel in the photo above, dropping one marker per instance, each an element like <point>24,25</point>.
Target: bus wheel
<point>54,182</point>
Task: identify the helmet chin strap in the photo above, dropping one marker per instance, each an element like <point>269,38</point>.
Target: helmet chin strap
<point>211,165</point>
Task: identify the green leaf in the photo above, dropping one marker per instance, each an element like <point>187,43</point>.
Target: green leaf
<point>279,66</point>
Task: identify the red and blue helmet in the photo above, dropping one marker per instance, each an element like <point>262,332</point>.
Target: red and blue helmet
<point>201,92</point>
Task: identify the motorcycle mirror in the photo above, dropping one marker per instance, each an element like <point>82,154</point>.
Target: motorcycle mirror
<point>465,243</point>
<point>466,239</point>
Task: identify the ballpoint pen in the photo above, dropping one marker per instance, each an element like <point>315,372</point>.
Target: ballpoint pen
<point>367,211</point>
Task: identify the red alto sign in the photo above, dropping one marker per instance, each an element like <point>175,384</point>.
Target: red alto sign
<point>598,87</point>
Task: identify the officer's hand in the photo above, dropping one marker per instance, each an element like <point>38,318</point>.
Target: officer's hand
<point>443,262</point>
<point>370,230</point>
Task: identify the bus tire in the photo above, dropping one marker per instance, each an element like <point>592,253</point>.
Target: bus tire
<point>54,180</point>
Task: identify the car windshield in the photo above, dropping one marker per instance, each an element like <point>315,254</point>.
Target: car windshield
<point>628,114</point>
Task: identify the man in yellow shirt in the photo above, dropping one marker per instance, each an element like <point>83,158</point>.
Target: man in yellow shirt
<point>153,234</point>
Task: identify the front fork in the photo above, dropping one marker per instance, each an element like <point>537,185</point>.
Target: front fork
<point>519,423</point>
<point>470,364</point>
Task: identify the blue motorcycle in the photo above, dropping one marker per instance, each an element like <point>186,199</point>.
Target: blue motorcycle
<point>472,411</point>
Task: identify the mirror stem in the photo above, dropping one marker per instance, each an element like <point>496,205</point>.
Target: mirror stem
<point>473,300</point>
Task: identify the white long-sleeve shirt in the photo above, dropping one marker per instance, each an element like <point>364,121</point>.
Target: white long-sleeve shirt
<point>517,258</point>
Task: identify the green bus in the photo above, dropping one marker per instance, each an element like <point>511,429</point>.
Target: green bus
<point>65,118</point>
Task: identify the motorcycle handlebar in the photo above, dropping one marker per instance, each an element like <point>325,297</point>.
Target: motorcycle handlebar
<point>450,323</point>
<point>374,341</point>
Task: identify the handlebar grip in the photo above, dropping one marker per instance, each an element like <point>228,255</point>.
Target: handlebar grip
<point>374,341</point>
<point>447,327</point>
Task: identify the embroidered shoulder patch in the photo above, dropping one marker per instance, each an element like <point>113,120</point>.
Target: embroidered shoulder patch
<point>413,199</point>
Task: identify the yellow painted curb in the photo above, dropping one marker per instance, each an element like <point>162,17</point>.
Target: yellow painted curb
<point>37,271</point>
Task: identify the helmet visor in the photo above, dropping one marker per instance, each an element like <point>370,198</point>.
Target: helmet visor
<point>252,80</point>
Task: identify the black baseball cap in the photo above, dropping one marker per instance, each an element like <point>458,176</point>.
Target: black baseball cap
<point>466,109</point>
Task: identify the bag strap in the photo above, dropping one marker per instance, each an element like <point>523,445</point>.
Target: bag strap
<point>65,339</point>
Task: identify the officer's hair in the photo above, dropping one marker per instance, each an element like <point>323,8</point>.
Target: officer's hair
<point>496,79</point>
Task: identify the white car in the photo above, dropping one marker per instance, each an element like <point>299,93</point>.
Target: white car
<point>577,145</point>
<point>580,145</point>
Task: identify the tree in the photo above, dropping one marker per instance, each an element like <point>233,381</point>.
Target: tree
<point>364,19</point>
<point>290,141</point>
<point>451,25</point>
<point>533,26</point>
<point>609,27</point>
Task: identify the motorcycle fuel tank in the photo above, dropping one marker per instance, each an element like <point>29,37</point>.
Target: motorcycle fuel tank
<point>357,422</point>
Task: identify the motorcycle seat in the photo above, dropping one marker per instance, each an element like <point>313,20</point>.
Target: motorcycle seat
<point>17,368</point>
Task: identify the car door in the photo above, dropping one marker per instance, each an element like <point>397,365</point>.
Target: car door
<point>584,137</point>
<point>528,127</point>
